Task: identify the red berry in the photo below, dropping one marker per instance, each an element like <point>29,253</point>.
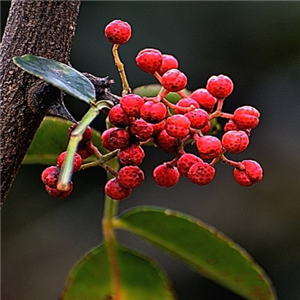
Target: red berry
<point>77,162</point>
<point>86,149</point>
<point>250,173</point>
<point>168,62</point>
<point>149,60</point>
<point>142,129</point>
<point>165,176</point>
<point>115,138</point>
<point>178,126</point>
<point>201,173</point>
<point>235,141</point>
<point>231,125</point>
<point>54,192</point>
<point>174,80</point>
<point>185,102</point>
<point>209,147</point>
<point>246,117</point>
<point>115,190</point>
<point>185,162</point>
<point>118,117</point>
<point>166,142</point>
<point>131,155</point>
<point>131,177</point>
<point>158,127</point>
<point>204,99</point>
<point>50,176</point>
<point>206,129</point>
<point>131,104</point>
<point>219,86</point>
<point>153,112</point>
<point>118,32</point>
<point>199,118</point>
<point>87,135</point>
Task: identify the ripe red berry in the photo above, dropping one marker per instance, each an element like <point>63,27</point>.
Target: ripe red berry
<point>118,32</point>
<point>54,192</point>
<point>142,129</point>
<point>131,177</point>
<point>209,147</point>
<point>118,117</point>
<point>85,149</point>
<point>131,155</point>
<point>77,162</point>
<point>174,80</point>
<point>219,86</point>
<point>235,141</point>
<point>115,138</point>
<point>131,104</point>
<point>168,62</point>
<point>153,112</point>
<point>50,176</point>
<point>178,126</point>
<point>87,135</point>
<point>201,173</point>
<point>166,176</point>
<point>185,102</point>
<point>246,117</point>
<point>204,99</point>
<point>206,128</point>
<point>199,118</point>
<point>250,173</point>
<point>115,190</point>
<point>158,127</point>
<point>231,125</point>
<point>185,162</point>
<point>149,60</point>
<point>166,142</point>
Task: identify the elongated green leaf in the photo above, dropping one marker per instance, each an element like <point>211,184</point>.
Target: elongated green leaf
<point>58,74</point>
<point>202,247</point>
<point>51,139</point>
<point>140,278</point>
<point>151,90</point>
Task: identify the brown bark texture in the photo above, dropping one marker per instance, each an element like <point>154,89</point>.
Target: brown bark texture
<point>43,28</point>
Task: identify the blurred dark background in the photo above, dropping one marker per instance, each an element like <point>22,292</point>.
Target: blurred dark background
<point>257,44</point>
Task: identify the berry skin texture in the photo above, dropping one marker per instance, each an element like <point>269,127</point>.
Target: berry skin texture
<point>131,177</point>
<point>219,86</point>
<point>204,99</point>
<point>149,60</point>
<point>246,117</point>
<point>115,138</point>
<point>178,126</point>
<point>199,118</point>
<point>185,162</point>
<point>201,173</point>
<point>168,62</point>
<point>209,147</point>
<point>115,190</point>
<point>76,163</point>
<point>186,103</point>
<point>165,176</point>
<point>131,155</point>
<point>118,32</point>
<point>166,142</point>
<point>54,192</point>
<point>131,104</point>
<point>174,80</point>
<point>153,112</point>
<point>251,173</point>
<point>50,176</point>
<point>235,141</point>
<point>141,129</point>
<point>118,117</point>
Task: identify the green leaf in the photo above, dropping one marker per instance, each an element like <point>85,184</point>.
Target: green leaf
<point>151,90</point>
<point>58,74</point>
<point>51,139</point>
<point>202,247</point>
<point>140,278</point>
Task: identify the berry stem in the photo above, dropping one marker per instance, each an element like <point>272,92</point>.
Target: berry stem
<point>121,69</point>
<point>234,164</point>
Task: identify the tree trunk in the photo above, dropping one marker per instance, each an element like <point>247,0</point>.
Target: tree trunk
<point>43,28</point>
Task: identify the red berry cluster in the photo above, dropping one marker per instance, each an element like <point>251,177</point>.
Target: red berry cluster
<point>136,121</point>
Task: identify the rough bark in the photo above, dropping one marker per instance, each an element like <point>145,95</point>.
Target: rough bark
<point>43,28</point>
